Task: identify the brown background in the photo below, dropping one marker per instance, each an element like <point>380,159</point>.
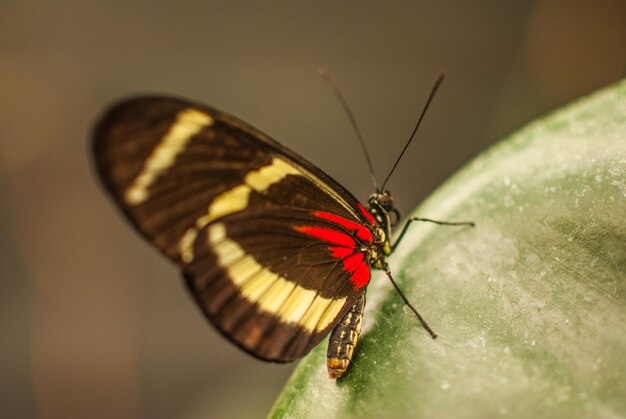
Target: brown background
<point>93,323</point>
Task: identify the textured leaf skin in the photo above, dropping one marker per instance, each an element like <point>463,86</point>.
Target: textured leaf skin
<point>530,305</point>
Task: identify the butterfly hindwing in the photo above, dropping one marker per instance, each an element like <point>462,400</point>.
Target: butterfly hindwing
<point>272,287</point>
<point>207,189</point>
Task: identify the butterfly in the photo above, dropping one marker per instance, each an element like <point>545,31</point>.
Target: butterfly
<point>275,252</point>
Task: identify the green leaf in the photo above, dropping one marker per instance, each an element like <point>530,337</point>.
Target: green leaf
<point>530,305</point>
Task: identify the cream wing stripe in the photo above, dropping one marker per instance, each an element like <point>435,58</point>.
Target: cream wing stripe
<point>324,186</point>
<point>188,123</point>
<point>273,294</point>
<point>236,199</point>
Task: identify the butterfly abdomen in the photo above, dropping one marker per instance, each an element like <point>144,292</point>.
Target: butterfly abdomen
<point>343,340</point>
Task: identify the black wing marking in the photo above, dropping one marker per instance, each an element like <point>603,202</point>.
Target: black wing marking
<point>271,289</point>
<point>166,161</point>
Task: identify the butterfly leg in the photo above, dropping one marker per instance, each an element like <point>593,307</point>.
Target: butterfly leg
<point>408,304</point>
<point>343,340</point>
<point>428,220</point>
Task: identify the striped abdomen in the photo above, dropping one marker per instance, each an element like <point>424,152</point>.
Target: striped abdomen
<point>343,340</point>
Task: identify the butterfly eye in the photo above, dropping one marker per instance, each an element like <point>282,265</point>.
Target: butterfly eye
<point>386,202</point>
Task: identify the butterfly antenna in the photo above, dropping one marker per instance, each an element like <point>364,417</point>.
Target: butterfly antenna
<point>325,75</point>
<point>406,301</point>
<point>440,77</point>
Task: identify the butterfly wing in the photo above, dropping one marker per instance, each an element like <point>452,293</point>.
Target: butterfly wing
<point>277,281</point>
<point>181,171</point>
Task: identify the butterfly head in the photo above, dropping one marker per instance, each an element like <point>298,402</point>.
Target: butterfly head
<point>381,203</point>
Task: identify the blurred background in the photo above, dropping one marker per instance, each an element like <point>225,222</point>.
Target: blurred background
<point>93,322</point>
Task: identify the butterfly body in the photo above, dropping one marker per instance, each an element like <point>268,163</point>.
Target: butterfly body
<point>273,250</point>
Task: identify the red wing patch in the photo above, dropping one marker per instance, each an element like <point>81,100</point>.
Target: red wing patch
<point>342,245</point>
<point>338,238</point>
<point>362,232</point>
<point>368,216</point>
<point>360,270</point>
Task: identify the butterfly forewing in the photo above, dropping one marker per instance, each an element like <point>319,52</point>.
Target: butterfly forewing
<point>268,242</point>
